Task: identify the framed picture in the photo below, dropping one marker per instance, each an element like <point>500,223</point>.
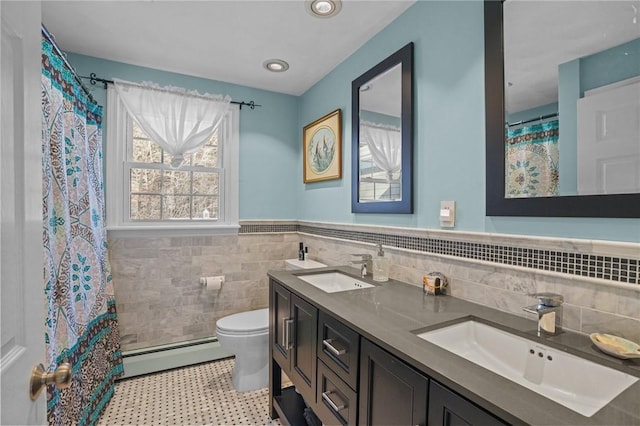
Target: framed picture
<point>322,148</point>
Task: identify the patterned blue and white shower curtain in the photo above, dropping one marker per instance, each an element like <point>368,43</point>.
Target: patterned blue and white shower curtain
<point>531,159</point>
<point>81,325</point>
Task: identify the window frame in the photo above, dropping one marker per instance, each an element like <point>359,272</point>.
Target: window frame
<point>119,132</point>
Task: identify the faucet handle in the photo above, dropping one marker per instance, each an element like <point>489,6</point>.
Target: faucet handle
<point>548,299</point>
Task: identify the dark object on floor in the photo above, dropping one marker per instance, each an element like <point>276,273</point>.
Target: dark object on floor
<point>311,418</point>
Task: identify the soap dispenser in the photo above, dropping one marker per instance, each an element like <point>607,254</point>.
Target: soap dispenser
<point>380,266</point>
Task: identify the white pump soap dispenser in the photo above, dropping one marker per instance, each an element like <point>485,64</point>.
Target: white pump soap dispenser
<point>380,266</point>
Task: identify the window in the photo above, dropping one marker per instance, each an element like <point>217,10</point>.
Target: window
<point>202,193</point>
<point>374,183</point>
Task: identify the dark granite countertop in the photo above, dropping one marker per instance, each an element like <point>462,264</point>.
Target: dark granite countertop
<point>389,313</point>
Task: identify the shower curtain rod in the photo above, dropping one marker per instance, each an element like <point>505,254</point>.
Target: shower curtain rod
<point>94,79</point>
<point>62,56</point>
<point>542,117</point>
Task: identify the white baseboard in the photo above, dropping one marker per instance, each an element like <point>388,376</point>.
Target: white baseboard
<point>151,360</point>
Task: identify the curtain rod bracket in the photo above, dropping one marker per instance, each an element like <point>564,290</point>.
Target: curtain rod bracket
<point>94,79</point>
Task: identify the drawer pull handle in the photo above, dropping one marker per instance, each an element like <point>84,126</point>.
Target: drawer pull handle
<point>327,399</point>
<point>328,343</point>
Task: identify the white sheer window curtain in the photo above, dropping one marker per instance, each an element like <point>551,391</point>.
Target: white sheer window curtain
<point>178,120</point>
<point>384,145</point>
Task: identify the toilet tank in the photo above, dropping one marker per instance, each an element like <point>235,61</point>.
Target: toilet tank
<point>294,264</point>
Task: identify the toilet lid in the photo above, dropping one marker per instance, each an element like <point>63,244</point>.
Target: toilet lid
<point>250,321</point>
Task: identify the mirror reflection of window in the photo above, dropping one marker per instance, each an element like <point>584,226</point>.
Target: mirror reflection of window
<point>380,145</point>
<point>380,162</point>
<point>572,84</point>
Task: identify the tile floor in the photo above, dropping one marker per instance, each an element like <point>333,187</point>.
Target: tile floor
<point>197,395</point>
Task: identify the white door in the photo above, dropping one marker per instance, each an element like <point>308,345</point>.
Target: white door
<point>22,301</point>
<point>609,141</point>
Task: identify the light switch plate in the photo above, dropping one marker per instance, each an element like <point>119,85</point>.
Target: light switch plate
<point>447,214</point>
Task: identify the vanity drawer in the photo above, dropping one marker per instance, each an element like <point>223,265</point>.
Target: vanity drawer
<point>339,348</point>
<point>337,403</point>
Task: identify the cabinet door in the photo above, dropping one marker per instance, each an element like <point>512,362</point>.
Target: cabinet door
<point>391,393</point>
<point>447,408</point>
<point>339,348</point>
<point>281,325</point>
<point>303,352</point>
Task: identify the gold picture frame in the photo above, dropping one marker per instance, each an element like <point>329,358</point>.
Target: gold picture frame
<point>322,148</point>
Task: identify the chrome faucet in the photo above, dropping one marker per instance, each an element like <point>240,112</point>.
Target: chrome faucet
<point>366,264</point>
<point>549,311</point>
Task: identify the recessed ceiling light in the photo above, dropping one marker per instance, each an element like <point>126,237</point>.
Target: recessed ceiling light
<point>275,65</point>
<point>323,8</point>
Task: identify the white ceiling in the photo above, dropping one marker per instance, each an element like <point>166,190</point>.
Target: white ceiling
<point>220,40</point>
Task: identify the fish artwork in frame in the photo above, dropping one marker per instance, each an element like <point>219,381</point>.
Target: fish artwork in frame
<point>322,148</point>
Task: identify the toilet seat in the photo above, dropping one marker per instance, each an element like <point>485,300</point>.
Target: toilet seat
<point>244,323</point>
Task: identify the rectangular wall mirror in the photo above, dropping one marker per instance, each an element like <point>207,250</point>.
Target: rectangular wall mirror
<point>562,108</point>
<point>382,129</point>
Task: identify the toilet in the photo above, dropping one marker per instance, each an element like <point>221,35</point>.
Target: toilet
<point>246,335</point>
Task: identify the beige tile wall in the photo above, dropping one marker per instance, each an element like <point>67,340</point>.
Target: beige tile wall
<point>158,296</point>
<point>160,301</point>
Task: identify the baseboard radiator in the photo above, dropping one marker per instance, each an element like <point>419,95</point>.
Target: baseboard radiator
<point>166,357</point>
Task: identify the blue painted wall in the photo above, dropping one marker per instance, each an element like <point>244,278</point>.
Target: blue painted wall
<point>568,95</point>
<point>269,139</point>
<point>449,132</point>
<point>448,115</point>
<point>616,64</point>
<point>449,141</point>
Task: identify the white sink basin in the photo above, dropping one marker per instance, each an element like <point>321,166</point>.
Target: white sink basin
<point>578,384</point>
<point>333,282</point>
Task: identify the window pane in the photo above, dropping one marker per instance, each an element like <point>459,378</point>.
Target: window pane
<point>176,182</point>
<point>145,207</point>
<point>208,203</point>
<point>145,151</point>
<point>176,207</point>
<point>207,156</point>
<point>205,183</point>
<point>138,133</point>
<point>145,180</point>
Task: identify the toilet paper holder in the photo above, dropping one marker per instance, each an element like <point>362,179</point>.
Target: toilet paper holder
<point>212,283</point>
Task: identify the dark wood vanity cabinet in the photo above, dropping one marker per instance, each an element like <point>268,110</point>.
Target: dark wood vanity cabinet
<point>391,392</point>
<point>293,330</point>
<point>348,380</point>
<point>447,408</point>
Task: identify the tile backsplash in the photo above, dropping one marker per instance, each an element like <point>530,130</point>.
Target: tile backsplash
<point>158,296</point>
<point>160,301</point>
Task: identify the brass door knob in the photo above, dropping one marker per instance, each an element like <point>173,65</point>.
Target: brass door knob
<point>61,378</point>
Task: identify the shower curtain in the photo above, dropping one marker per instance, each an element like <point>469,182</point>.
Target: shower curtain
<point>81,324</point>
<point>531,158</point>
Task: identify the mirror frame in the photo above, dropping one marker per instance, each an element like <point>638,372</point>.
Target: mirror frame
<point>404,57</point>
<point>618,205</point>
